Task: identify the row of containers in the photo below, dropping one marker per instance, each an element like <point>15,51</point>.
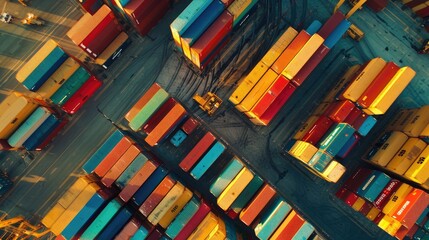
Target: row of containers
<point>394,206</point>
<point>268,86</point>
<point>420,8</point>
<point>347,114</point>
<point>204,27</point>
<point>211,194</point>
<point>402,149</point>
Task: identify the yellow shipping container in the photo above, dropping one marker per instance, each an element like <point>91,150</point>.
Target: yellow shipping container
<point>345,79</point>
<point>35,60</point>
<point>107,53</point>
<point>176,208</point>
<point>162,208</point>
<point>401,119</point>
<point>238,7</point>
<point>425,132</point>
<point>372,214</point>
<point>358,204</point>
<point>72,193</point>
<point>302,57</point>
<point>389,225</point>
<point>257,121</point>
<point>203,229</point>
<point>403,159</point>
<point>186,47</point>
<point>15,115</point>
<point>389,149</point>
<point>305,127</point>
<point>220,234</point>
<point>419,170</point>
<point>284,40</point>
<point>256,93</point>
<point>397,199</point>
<point>392,90</point>
<point>52,216</point>
<point>58,78</point>
<point>74,208</point>
<point>231,192</point>
<point>419,120</point>
<point>248,83</point>
<point>303,151</point>
<point>334,171</point>
<point>7,102</point>
<point>364,79</point>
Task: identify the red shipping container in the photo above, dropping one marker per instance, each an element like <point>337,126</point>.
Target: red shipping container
<point>292,228</point>
<point>331,24</point>
<point>270,96</point>
<point>81,96</point>
<point>4,145</point>
<point>137,9</point>
<point>275,107</point>
<point>211,38</point>
<point>354,114</point>
<point>384,196</point>
<point>341,192</point>
<point>156,196</point>
<point>311,64</point>
<point>423,12</point>
<point>198,217</point>
<point>159,115</point>
<point>91,6</point>
<point>197,152</point>
<point>365,208</point>
<point>356,180</point>
<point>340,110</point>
<point>53,134</point>
<point>145,21</point>
<point>318,130</point>
<point>410,233</point>
<point>137,181</point>
<point>155,234</point>
<point>378,218</point>
<point>377,5</point>
<point>412,207</point>
<point>350,198</point>
<point>359,121</point>
<point>377,85</point>
<point>112,157</point>
<point>87,23</point>
<point>190,125</point>
<point>123,162</point>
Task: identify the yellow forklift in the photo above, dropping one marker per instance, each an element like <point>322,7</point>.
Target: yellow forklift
<point>208,103</point>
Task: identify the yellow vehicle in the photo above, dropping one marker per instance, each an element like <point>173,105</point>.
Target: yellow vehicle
<point>355,33</point>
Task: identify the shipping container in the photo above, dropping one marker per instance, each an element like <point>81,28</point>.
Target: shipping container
<point>247,194</point>
<point>204,228</point>
<point>164,205</point>
<point>373,185</point>
<point>71,194</point>
<point>331,24</point>
<point>366,125</point>
<point>302,57</point>
<point>158,115</point>
<point>419,170</point>
<point>138,180</point>
<point>410,209</point>
<point>340,110</point>
<point>192,224</point>
<point>314,27</point>
<point>377,85</point>
<point>305,127</point>
<point>129,116</point>
<point>121,164</point>
<point>342,83</point>
<point>392,90</point>
<point>156,196</point>
<point>143,17</point>
<point>401,119</point>
<point>200,25</point>
<point>356,180</point>
<point>310,65</point>
<point>272,218</point>
<point>219,232</point>
<point>418,121</point>
<point>178,138</point>
<point>71,86</point>
<point>397,198</point>
<point>101,220</point>
<point>102,151</point>
<point>337,34</point>
<point>360,82</point>
<point>131,170</point>
<point>337,138</point>
<point>304,232</point>
<point>51,217</point>
<point>239,9</point>
<point>91,6</point>
<point>58,78</point>
<point>289,53</point>
<point>116,224</point>
<point>197,152</point>
<point>175,209</point>
<point>182,218</point>
<point>74,208</point>
<point>141,233</point>
<point>288,227</point>
<point>318,130</point>
<point>16,112</point>
<point>41,65</point>
<point>84,216</point>
<point>256,93</point>
<point>148,109</point>
<point>226,176</point>
<point>117,151</point>
<point>250,213</point>
<point>42,133</point>
<point>81,96</point>
<point>50,136</point>
<point>173,118</point>
<point>207,44</point>
<point>248,83</point>
<point>279,46</point>
<point>207,161</point>
<point>303,151</point>
<point>333,172</point>
<point>113,51</point>
<point>387,192</point>
<point>186,18</point>
<point>129,230</point>
<point>358,204</point>
<point>320,160</point>
<point>347,148</point>
<point>190,125</point>
<point>149,185</point>
<point>233,190</point>
<point>28,127</point>
<point>268,97</point>
<point>406,156</point>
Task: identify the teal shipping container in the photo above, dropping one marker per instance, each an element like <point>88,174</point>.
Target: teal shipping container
<point>272,218</point>
<point>373,185</point>
<point>247,194</point>
<point>335,140</point>
<point>207,161</point>
<point>178,138</point>
<point>73,84</point>
<point>320,160</point>
<point>131,170</point>
<point>182,218</point>
<point>304,232</point>
<point>141,233</point>
<point>101,220</point>
<point>225,178</point>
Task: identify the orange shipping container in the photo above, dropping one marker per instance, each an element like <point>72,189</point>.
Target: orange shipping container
<point>284,40</point>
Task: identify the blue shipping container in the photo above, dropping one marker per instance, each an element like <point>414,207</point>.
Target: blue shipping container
<point>41,133</point>
<point>131,170</point>
<point>373,186</point>
<point>116,54</point>
<point>337,34</point>
<point>272,218</point>
<point>337,138</point>
<point>182,218</point>
<point>245,12</point>
<point>141,233</point>
<point>102,152</point>
<point>45,69</point>
<point>101,220</point>
<point>314,27</point>
<point>347,147</point>
<point>367,125</point>
<point>116,224</point>
<point>225,178</point>
<point>149,185</point>
<point>178,138</point>
<point>83,217</point>
<point>209,158</point>
<point>76,80</point>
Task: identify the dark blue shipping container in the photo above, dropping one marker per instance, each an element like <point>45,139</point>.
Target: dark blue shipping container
<point>151,183</point>
<point>337,34</point>
<point>116,224</point>
<point>41,133</point>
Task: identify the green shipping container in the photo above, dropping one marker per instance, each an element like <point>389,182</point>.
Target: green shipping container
<point>150,108</point>
<point>70,87</point>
